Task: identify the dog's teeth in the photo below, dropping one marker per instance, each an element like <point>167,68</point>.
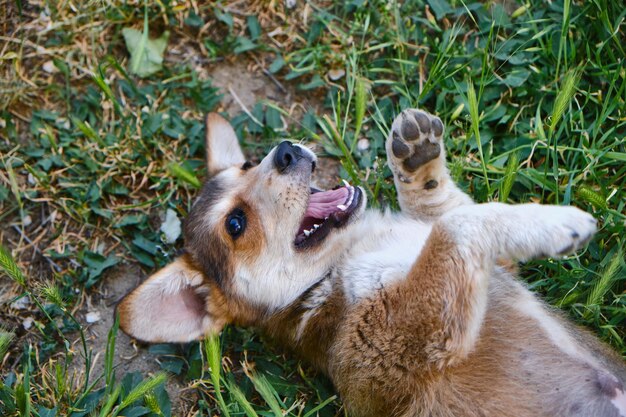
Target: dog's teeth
<point>316,226</point>
<point>346,183</point>
<point>342,207</point>
<point>350,196</point>
<point>307,233</point>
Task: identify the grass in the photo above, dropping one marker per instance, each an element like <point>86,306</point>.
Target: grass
<point>91,157</point>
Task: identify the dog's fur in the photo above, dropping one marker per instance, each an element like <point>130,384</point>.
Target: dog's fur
<point>409,314</point>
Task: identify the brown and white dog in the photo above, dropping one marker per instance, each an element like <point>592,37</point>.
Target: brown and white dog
<point>409,314</point>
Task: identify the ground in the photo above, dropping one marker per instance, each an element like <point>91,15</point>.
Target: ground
<point>93,152</point>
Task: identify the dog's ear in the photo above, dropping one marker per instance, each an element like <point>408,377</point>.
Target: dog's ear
<point>222,146</point>
<point>173,305</point>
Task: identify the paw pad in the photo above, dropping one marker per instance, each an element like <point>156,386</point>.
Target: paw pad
<point>422,153</point>
<point>422,120</point>
<point>399,148</point>
<point>415,139</point>
<point>409,129</point>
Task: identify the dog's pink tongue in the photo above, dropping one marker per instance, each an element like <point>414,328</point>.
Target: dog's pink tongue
<point>325,203</point>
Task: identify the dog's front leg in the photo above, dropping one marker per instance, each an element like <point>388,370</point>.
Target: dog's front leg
<point>432,319</point>
<point>416,156</point>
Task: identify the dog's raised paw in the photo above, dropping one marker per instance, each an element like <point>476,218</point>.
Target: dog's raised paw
<point>565,229</point>
<point>415,139</point>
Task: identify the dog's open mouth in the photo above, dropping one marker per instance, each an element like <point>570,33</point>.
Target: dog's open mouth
<point>327,210</point>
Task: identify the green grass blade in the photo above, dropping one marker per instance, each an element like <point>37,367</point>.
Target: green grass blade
<point>322,405</point>
<point>267,391</point>
<point>360,97</point>
<point>9,266</point>
<point>22,391</point>
<point>88,131</point>
<point>563,41</point>
<point>110,400</point>
<point>617,156</point>
<point>520,11</point>
<point>52,294</point>
<point>509,177</point>
<point>141,390</point>
<point>109,355</point>
<point>563,98</point>
<point>184,174</point>
<point>15,189</point>
<point>472,102</point>
<point>241,399</point>
<point>348,162</point>
<point>6,337</point>
<point>591,197</point>
<point>607,279</point>
<point>60,379</point>
<point>153,404</point>
<point>101,82</point>
<point>457,112</point>
<point>213,356</point>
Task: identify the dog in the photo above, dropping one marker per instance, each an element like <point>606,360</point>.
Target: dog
<point>409,314</point>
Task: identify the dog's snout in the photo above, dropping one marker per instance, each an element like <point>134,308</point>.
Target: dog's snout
<point>286,155</point>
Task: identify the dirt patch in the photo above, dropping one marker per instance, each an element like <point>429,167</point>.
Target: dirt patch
<point>242,87</point>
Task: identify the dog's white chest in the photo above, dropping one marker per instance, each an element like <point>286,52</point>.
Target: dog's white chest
<point>382,254</point>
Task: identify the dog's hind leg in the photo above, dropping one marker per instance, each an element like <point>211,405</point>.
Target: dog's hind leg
<point>416,156</point>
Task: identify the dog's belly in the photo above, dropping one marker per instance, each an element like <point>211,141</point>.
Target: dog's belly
<point>526,363</point>
<point>385,248</point>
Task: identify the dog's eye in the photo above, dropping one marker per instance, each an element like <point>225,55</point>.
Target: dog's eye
<point>236,223</point>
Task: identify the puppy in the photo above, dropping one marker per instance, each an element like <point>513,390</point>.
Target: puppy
<point>409,314</point>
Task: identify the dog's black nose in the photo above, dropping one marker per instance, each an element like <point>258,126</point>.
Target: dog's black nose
<point>286,155</point>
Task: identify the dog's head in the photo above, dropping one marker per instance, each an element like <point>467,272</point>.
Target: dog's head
<point>256,238</point>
